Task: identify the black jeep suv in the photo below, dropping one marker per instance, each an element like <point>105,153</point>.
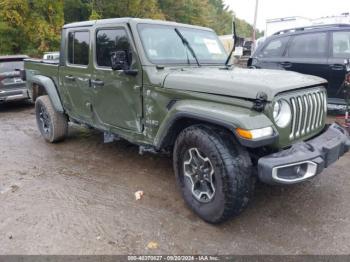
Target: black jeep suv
<point>318,50</point>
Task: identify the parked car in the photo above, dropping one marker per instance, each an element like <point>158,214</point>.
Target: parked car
<point>12,84</point>
<point>51,56</point>
<point>319,50</point>
<point>168,88</point>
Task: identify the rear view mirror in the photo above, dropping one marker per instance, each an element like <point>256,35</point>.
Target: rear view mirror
<point>120,60</point>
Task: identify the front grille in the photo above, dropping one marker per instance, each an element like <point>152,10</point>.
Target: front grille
<point>308,112</point>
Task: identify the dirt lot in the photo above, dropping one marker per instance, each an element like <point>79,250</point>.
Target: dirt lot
<point>77,197</point>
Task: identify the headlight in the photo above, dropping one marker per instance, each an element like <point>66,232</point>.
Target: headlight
<point>282,114</point>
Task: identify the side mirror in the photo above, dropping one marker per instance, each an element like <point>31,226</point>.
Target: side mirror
<point>120,60</point>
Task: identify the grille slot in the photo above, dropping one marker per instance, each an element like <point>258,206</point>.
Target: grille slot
<point>308,113</point>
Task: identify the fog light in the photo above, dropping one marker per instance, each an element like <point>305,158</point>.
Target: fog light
<point>294,173</point>
<point>300,170</point>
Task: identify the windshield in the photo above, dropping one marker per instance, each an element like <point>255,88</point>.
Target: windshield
<point>163,46</point>
<point>11,66</point>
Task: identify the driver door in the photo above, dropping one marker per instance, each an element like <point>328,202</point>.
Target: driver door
<point>116,95</point>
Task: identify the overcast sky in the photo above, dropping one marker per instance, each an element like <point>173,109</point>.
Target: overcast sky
<point>269,9</point>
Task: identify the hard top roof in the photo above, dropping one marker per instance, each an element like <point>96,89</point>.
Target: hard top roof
<point>129,20</point>
<point>325,27</point>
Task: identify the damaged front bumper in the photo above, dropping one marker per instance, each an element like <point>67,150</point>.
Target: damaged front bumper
<point>306,159</point>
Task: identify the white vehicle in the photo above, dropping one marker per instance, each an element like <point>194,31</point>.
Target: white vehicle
<point>51,56</point>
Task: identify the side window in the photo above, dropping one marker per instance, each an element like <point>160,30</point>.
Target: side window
<point>341,44</point>
<point>78,47</point>
<point>308,46</point>
<point>275,48</point>
<point>108,41</point>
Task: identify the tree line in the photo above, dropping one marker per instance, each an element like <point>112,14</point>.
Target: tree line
<point>33,26</point>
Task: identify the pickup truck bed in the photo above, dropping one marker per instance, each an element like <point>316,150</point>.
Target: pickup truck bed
<point>40,67</point>
<point>40,64</point>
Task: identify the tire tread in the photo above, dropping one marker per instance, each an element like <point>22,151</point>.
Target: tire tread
<point>238,182</point>
<point>59,121</point>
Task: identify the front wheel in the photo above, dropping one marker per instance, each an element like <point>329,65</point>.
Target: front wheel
<point>53,125</point>
<point>213,172</point>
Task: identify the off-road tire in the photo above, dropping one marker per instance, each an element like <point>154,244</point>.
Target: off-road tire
<point>57,126</point>
<point>234,180</point>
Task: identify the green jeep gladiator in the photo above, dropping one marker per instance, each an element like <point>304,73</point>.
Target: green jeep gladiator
<point>167,87</point>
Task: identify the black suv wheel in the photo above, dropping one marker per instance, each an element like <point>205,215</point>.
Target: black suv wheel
<point>213,172</point>
<point>53,125</point>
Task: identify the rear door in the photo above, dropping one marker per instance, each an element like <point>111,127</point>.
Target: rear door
<point>272,54</point>
<point>75,75</point>
<point>117,95</point>
<point>308,54</point>
<point>340,51</point>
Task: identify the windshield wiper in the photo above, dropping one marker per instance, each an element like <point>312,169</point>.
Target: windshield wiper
<point>187,44</point>
<point>229,56</point>
<point>235,39</point>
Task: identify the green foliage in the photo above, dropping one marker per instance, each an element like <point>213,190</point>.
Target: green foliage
<point>210,13</point>
<point>246,30</point>
<point>76,10</point>
<point>123,8</point>
<point>29,26</point>
<point>33,26</point>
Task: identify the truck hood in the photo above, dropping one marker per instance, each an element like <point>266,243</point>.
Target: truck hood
<point>237,82</point>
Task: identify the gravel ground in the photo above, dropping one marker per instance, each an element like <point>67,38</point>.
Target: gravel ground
<point>77,197</point>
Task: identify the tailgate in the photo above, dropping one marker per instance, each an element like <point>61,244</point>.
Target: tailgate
<point>11,73</point>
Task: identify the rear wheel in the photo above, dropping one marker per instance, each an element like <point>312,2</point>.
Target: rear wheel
<point>53,125</point>
<point>213,172</point>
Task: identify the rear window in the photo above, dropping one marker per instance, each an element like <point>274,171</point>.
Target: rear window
<point>309,46</point>
<point>78,47</point>
<point>10,66</point>
<point>275,48</point>
<point>341,44</point>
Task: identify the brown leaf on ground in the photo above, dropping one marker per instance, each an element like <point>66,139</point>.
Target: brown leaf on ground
<point>152,245</point>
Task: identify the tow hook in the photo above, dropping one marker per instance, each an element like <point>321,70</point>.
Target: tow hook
<point>260,102</point>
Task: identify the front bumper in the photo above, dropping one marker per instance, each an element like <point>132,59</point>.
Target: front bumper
<point>13,95</point>
<point>306,159</point>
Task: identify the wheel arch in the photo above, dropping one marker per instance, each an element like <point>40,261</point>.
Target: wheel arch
<point>227,117</point>
<point>42,85</point>
<point>183,120</point>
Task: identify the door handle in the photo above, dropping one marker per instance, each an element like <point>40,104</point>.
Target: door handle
<point>97,82</point>
<point>337,67</point>
<point>286,64</point>
<point>71,78</point>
